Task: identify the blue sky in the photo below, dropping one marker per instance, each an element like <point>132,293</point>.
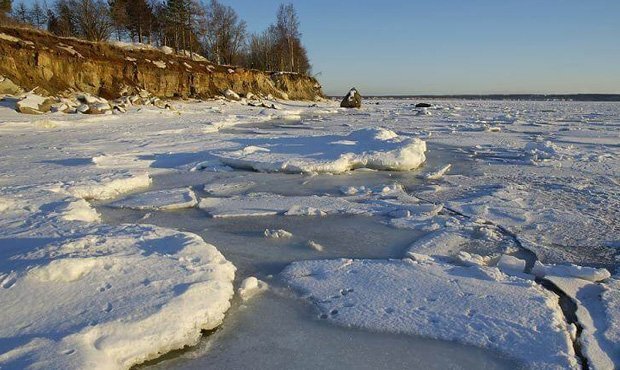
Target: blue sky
<point>456,46</point>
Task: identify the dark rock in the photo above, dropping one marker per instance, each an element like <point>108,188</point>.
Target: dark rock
<point>423,105</point>
<point>352,100</point>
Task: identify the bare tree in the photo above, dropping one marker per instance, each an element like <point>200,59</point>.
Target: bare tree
<point>280,46</point>
<point>93,19</point>
<point>287,25</point>
<point>61,20</point>
<point>263,51</point>
<point>225,33</point>
<point>21,13</point>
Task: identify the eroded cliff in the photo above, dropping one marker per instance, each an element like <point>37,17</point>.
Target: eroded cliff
<point>37,59</point>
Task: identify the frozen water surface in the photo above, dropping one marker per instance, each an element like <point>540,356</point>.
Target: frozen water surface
<point>277,331</point>
<point>286,324</point>
<point>506,184</point>
<point>242,239</point>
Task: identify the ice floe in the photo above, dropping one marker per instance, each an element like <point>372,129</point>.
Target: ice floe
<point>570,271</point>
<point>378,149</point>
<point>266,204</point>
<point>108,188</point>
<point>394,205</point>
<point>159,200</point>
<point>228,187</point>
<point>598,314</point>
<point>112,300</point>
<point>474,305</point>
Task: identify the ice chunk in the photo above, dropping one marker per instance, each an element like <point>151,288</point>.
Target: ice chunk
<point>439,173</point>
<point>314,245</point>
<point>109,188</point>
<point>511,265</point>
<point>112,300</point>
<point>159,200</point>
<point>472,259</point>
<point>277,234</point>
<point>378,149</point>
<point>80,210</point>
<point>250,287</point>
<point>540,151</point>
<point>474,305</point>
<point>570,270</point>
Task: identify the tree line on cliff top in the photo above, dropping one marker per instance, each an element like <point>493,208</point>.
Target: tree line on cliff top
<point>206,27</point>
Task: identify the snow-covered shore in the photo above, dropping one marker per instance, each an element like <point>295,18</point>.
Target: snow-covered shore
<point>528,181</point>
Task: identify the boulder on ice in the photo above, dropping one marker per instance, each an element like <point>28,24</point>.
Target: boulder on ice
<point>34,104</point>
<point>353,99</point>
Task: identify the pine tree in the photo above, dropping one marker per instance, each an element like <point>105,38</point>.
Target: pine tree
<point>38,14</point>
<point>5,6</point>
<point>119,17</point>
<point>139,14</point>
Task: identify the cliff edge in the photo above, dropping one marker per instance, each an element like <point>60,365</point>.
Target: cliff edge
<point>32,58</point>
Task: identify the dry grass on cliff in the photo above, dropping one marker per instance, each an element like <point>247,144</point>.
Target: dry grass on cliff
<point>98,50</point>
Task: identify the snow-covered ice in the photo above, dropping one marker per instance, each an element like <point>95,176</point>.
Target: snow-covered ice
<point>473,305</point>
<point>161,200</point>
<point>378,149</point>
<point>112,299</point>
<point>108,188</point>
<point>598,314</point>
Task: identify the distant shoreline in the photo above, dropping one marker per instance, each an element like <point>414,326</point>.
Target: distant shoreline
<point>524,97</point>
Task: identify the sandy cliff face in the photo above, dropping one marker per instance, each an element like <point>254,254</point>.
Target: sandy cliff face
<point>36,59</point>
